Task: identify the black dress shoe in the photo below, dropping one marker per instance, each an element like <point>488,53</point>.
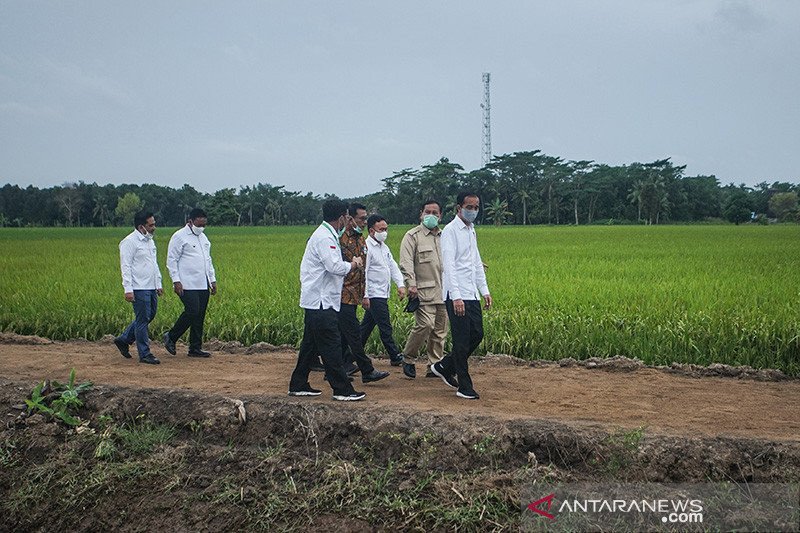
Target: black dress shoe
<point>396,360</point>
<point>410,370</point>
<point>199,353</point>
<point>123,348</point>
<point>169,344</point>
<point>149,359</point>
<point>375,375</point>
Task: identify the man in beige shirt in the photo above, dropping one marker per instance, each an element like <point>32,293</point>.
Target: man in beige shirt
<point>421,265</point>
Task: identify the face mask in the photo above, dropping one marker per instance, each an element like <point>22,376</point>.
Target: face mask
<point>148,236</point>
<point>197,230</point>
<point>380,236</point>
<point>430,221</point>
<point>358,230</point>
<point>469,216</point>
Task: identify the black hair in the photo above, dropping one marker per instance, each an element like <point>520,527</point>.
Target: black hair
<point>140,218</point>
<point>431,201</point>
<point>354,207</point>
<point>333,209</point>
<point>464,195</point>
<point>374,219</point>
<point>196,213</point>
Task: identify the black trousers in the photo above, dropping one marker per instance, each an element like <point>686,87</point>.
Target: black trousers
<point>195,303</point>
<point>321,336</point>
<point>378,314</point>
<point>467,333</point>
<point>351,338</point>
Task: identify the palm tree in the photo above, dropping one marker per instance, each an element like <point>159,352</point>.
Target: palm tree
<point>497,211</point>
<point>635,197</point>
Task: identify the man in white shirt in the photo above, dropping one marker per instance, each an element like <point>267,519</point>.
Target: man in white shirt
<point>462,278</point>
<point>322,273</point>
<point>193,280</point>
<point>141,281</point>
<point>381,270</point>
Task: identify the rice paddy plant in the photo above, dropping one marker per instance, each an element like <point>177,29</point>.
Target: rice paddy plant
<point>698,294</point>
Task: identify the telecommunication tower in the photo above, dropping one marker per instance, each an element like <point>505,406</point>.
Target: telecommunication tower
<point>487,120</point>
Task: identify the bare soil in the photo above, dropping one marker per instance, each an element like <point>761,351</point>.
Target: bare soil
<point>623,395</point>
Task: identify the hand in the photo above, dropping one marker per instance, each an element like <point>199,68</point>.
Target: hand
<point>160,292</point>
<point>357,262</point>
<point>487,301</point>
<point>178,288</point>
<point>458,307</point>
<point>412,292</point>
<point>365,303</point>
<point>401,292</point>
<point>213,288</point>
<point>129,296</point>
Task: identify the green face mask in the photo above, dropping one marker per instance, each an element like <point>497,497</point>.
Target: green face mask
<point>358,230</point>
<point>430,221</point>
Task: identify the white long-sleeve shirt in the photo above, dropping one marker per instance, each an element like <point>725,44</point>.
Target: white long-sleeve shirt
<point>381,270</point>
<point>189,260</point>
<point>462,268</point>
<point>322,270</point>
<point>137,260</point>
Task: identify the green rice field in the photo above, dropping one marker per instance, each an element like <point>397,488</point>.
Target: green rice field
<point>691,294</point>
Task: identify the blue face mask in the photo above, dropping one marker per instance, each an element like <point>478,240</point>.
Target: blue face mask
<point>358,230</point>
<point>341,231</point>
<point>469,216</point>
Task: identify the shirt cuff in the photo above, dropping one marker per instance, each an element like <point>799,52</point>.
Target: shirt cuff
<point>485,290</point>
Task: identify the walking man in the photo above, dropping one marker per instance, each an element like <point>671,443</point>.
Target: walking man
<point>193,280</point>
<point>322,273</point>
<point>381,270</point>
<point>462,277</point>
<point>141,281</point>
<point>353,245</point>
<point>421,265</point>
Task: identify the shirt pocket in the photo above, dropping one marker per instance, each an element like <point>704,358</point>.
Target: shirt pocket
<point>425,254</point>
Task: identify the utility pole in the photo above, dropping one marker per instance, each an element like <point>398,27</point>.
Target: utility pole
<point>487,120</point>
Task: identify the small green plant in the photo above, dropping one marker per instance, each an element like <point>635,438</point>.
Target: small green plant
<point>66,400</point>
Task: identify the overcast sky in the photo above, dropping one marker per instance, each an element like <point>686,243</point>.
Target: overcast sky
<point>330,97</point>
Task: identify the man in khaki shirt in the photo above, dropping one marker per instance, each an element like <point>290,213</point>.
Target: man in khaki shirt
<point>421,265</point>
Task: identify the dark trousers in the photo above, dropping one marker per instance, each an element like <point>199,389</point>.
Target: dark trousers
<point>467,333</point>
<point>145,306</point>
<point>378,315</point>
<point>321,336</point>
<point>351,338</point>
<point>194,314</point>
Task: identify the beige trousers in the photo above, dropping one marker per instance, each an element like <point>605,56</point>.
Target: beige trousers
<point>430,327</point>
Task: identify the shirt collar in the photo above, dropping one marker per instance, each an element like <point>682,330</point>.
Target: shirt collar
<point>461,223</point>
<point>140,234</point>
<point>373,239</point>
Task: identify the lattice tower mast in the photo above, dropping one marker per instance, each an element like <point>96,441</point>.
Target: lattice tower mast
<point>487,120</point>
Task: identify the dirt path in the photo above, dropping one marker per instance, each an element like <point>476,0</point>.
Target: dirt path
<point>662,402</point>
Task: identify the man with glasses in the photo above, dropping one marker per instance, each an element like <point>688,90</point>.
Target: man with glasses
<point>353,245</point>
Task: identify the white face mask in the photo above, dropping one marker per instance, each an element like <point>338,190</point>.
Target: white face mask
<point>380,236</point>
<point>197,230</point>
<point>148,236</point>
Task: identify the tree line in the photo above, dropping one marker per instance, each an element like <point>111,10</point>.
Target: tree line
<point>518,188</point>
